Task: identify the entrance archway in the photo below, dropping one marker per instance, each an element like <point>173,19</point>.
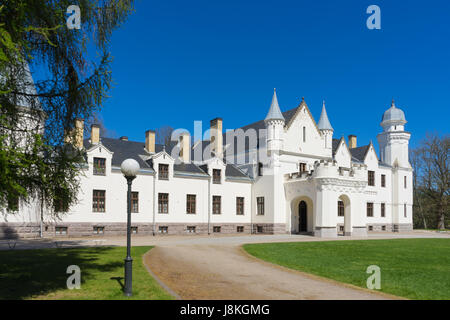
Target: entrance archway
<point>344,209</point>
<point>302,216</point>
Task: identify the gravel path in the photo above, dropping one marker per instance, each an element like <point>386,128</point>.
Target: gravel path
<point>227,272</point>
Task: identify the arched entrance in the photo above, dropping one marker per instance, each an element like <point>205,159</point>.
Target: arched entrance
<point>344,215</point>
<point>302,217</point>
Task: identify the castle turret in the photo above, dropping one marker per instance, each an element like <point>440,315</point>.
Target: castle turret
<point>394,140</point>
<point>326,129</point>
<point>275,126</point>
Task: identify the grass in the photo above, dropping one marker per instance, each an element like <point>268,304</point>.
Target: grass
<point>41,274</point>
<point>411,268</point>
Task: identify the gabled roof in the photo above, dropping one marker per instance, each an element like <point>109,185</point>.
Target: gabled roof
<point>360,153</point>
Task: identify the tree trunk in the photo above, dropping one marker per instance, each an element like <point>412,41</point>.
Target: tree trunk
<point>441,223</point>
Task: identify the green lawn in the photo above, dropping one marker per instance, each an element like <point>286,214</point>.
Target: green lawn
<point>412,268</point>
<point>41,274</point>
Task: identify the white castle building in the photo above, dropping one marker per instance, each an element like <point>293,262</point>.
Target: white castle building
<point>292,177</point>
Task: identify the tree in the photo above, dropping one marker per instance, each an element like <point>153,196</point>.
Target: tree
<point>37,117</point>
<point>432,178</point>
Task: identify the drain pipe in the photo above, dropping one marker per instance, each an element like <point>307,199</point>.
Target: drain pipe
<point>209,205</point>
<point>154,205</point>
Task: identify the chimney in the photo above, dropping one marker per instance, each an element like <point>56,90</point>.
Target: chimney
<point>150,141</point>
<point>352,141</point>
<point>124,138</point>
<point>77,135</point>
<point>216,137</point>
<point>185,144</point>
<point>95,133</point>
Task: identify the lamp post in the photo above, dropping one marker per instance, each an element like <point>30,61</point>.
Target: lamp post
<point>129,168</point>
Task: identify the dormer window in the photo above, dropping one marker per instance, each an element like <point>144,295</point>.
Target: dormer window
<point>302,167</point>
<point>217,176</point>
<point>99,166</point>
<point>163,171</point>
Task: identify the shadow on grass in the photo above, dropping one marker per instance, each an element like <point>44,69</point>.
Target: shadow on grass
<point>28,273</point>
<point>119,280</point>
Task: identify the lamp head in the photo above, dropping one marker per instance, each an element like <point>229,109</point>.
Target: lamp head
<point>129,168</point>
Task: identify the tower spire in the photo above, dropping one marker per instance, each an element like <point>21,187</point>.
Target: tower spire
<point>274,111</point>
<point>324,123</point>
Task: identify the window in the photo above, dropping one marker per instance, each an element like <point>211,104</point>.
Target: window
<point>239,205</point>
<point>304,134</point>
<point>60,230</point>
<point>134,230</point>
<point>216,176</point>
<point>302,167</point>
<point>259,229</point>
<point>260,205</point>
<point>190,229</point>
<point>370,209</point>
<point>216,204</point>
<point>163,203</point>
<point>163,229</point>
<point>98,201</point>
<point>341,208</point>
<point>370,228</point>
<point>135,202</point>
<point>163,171</point>
<point>383,210</point>
<point>190,203</point>
<point>99,166</point>
<point>216,229</point>
<point>371,178</point>
<point>383,180</point>
<point>405,210</point>
<point>240,229</point>
<point>341,228</point>
<point>260,169</point>
<point>99,230</point>
<point>383,228</point>
<point>404,181</point>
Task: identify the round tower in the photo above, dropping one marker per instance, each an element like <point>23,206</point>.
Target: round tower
<point>394,140</point>
<point>326,129</point>
<point>275,126</point>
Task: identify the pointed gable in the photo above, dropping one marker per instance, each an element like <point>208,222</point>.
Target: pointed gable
<point>342,153</point>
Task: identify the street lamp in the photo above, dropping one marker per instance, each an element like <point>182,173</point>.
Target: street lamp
<point>129,168</point>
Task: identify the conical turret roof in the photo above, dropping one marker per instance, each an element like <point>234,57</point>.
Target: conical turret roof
<point>274,111</point>
<point>324,123</point>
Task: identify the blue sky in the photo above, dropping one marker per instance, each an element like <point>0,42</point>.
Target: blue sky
<point>180,61</point>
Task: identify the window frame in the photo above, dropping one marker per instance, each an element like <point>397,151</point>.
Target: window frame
<point>369,209</point>
<point>191,201</point>
<point>97,196</point>
<point>163,203</point>
<point>371,178</point>
<point>163,171</point>
<point>341,208</point>
<point>260,206</point>
<point>217,178</point>
<point>240,206</point>
<point>216,204</point>
<point>134,201</point>
<point>99,170</point>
